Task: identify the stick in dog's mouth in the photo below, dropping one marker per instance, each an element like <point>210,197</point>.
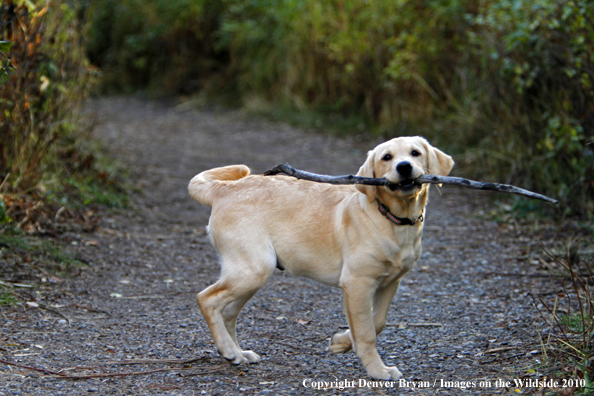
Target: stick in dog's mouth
<point>405,184</point>
<point>433,179</point>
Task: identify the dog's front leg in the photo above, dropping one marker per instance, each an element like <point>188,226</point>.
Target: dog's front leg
<point>342,342</point>
<point>358,299</point>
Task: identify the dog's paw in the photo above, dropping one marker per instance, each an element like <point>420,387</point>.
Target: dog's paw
<point>385,373</point>
<point>235,359</point>
<point>251,357</point>
<point>394,373</point>
<point>242,357</point>
<point>341,343</point>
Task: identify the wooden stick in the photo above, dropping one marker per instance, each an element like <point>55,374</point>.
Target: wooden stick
<point>103,375</point>
<point>42,370</point>
<point>125,374</point>
<point>458,181</point>
<point>433,179</point>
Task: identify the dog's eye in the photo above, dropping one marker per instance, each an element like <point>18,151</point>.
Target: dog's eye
<point>387,157</point>
<point>415,153</point>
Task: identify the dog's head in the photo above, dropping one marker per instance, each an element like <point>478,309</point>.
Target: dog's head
<point>401,161</point>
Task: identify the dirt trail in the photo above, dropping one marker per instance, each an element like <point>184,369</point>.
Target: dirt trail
<point>468,295</point>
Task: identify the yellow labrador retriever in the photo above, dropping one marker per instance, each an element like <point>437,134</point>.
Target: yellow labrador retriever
<point>360,238</point>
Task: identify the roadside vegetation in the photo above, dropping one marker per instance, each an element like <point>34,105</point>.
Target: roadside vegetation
<point>567,339</point>
<point>53,178</point>
<point>48,162</point>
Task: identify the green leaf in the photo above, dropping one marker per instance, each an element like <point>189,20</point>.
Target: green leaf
<point>27,3</point>
<point>5,46</point>
<point>3,77</point>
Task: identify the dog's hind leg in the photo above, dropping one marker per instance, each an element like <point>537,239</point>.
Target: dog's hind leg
<point>221,303</point>
<point>230,314</point>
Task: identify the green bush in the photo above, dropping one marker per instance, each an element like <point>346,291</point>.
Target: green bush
<point>167,45</point>
<point>537,62</point>
<point>374,59</point>
<point>42,89</point>
<point>47,162</point>
<point>5,65</point>
<point>506,84</point>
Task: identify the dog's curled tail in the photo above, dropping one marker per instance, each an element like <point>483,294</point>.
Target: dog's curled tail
<point>204,186</point>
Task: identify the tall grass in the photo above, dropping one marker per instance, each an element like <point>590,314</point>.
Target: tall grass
<point>569,346</point>
<point>383,60</point>
<point>507,85</point>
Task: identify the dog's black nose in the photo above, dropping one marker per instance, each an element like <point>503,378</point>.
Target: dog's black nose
<point>404,168</point>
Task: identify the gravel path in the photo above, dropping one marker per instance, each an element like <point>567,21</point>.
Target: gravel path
<point>463,321</point>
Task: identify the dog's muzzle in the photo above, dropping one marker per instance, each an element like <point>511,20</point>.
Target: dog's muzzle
<point>404,185</point>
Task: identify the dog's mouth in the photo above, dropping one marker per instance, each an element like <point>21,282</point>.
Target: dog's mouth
<point>404,185</point>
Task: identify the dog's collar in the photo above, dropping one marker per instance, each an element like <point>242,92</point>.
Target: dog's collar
<point>397,220</point>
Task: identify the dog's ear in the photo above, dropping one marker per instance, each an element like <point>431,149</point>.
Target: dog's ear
<point>438,162</point>
<point>366,170</point>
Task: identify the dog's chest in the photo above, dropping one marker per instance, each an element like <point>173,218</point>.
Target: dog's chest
<point>402,252</point>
